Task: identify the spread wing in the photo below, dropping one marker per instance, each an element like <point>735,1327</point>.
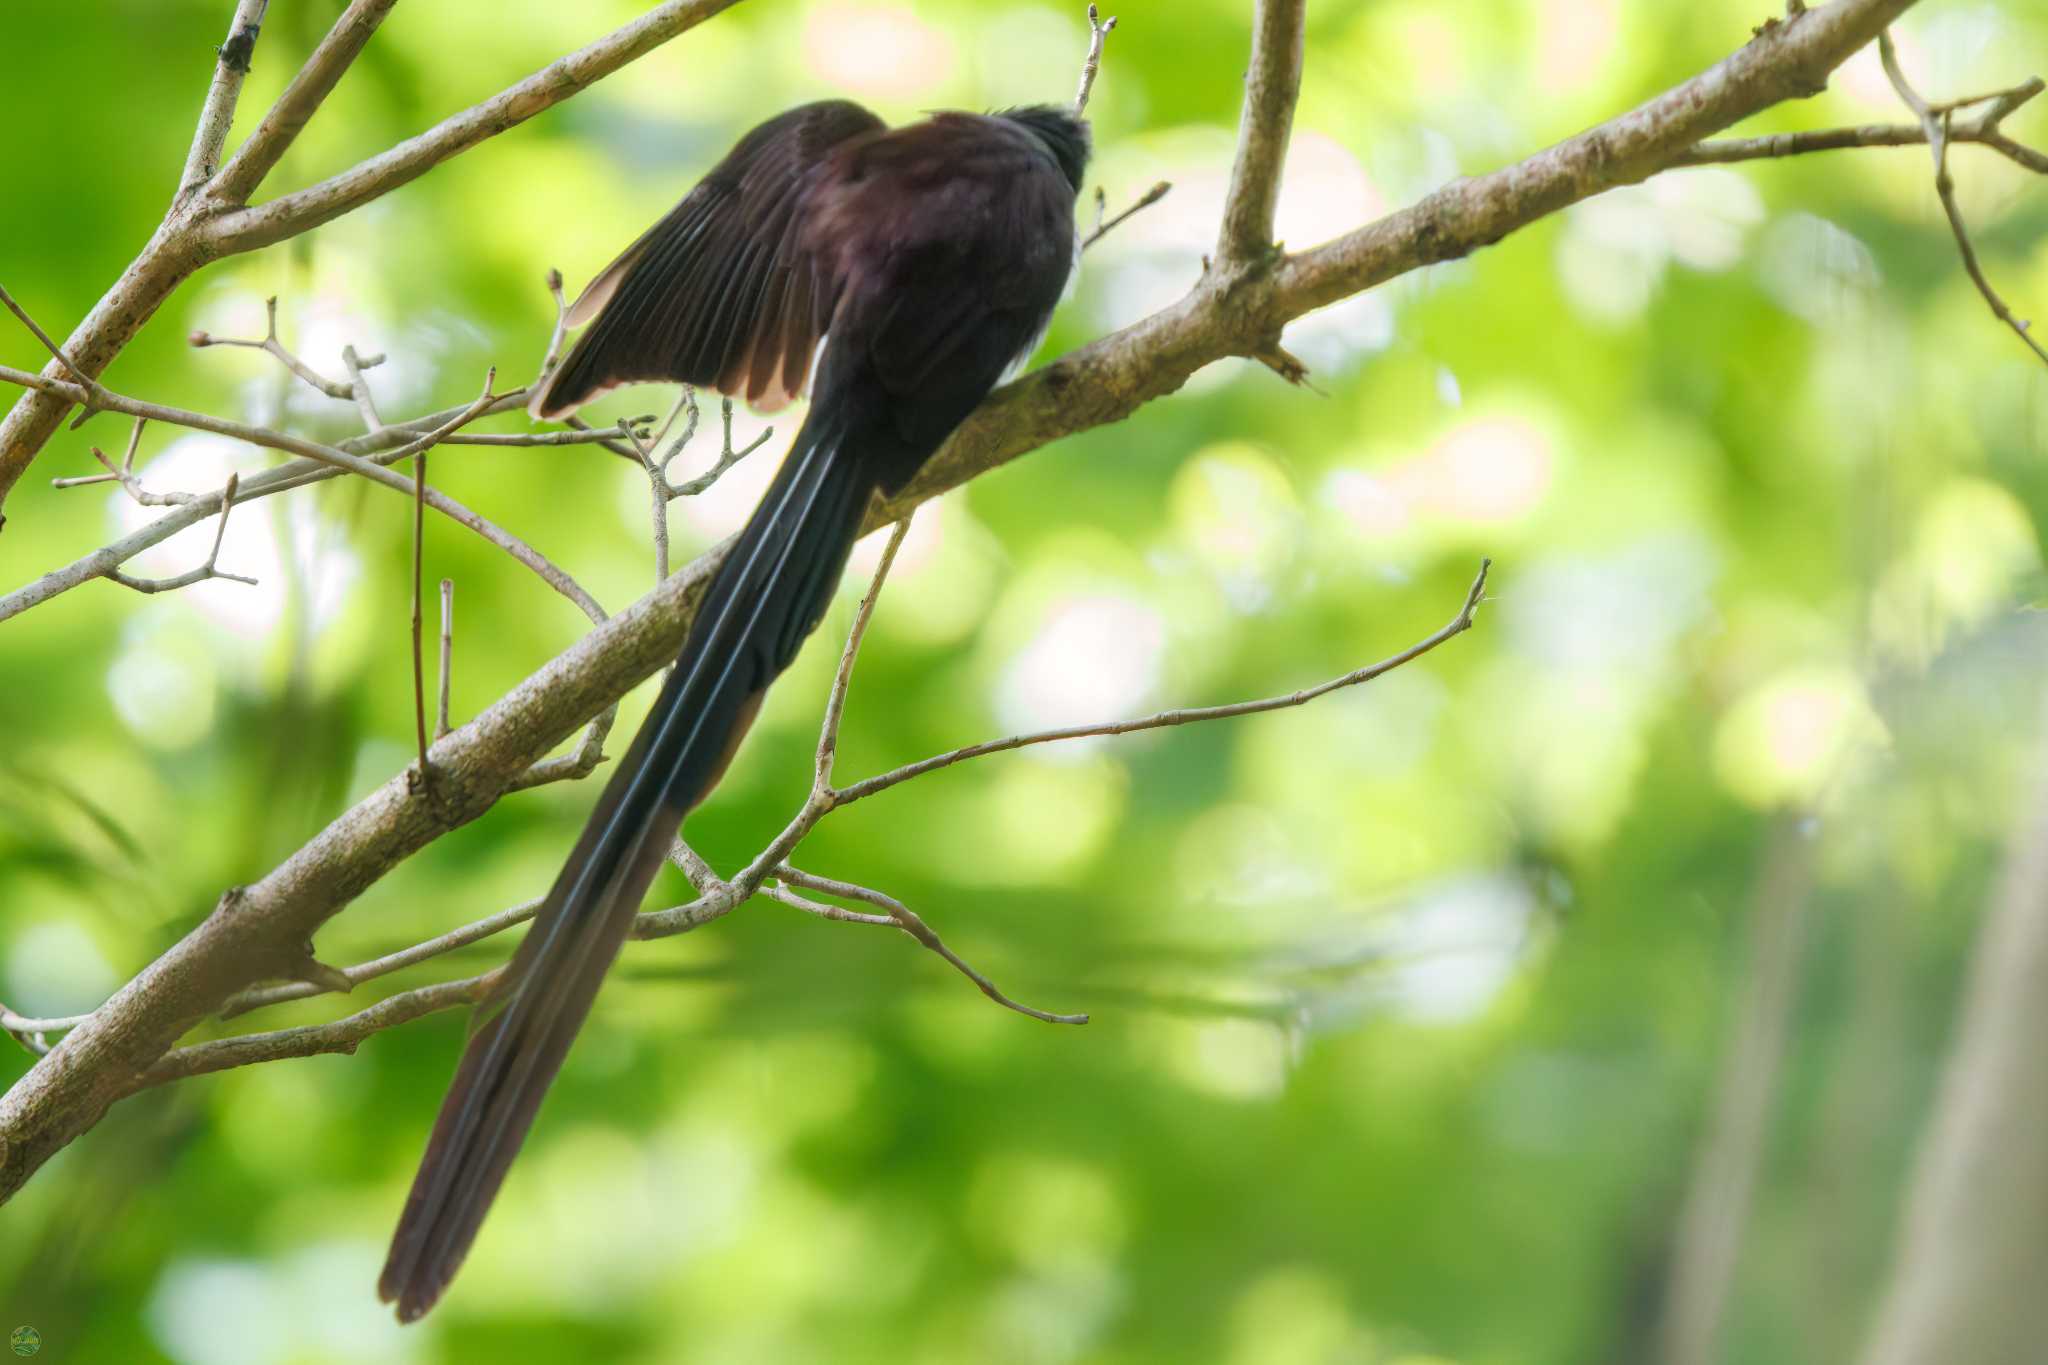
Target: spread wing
<point>721,292</point>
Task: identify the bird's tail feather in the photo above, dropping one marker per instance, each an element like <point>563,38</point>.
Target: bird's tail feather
<point>767,595</point>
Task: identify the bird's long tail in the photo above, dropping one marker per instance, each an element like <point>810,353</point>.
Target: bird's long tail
<point>768,594</point>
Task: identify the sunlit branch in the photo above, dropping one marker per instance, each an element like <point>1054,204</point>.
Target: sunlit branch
<point>217,114</point>
<point>1271,86</point>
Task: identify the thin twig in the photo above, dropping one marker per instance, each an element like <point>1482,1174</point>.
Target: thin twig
<point>1146,200</point>
<point>1184,716</point>
<point>359,388</point>
<point>560,334</point>
<point>204,571</point>
<point>910,923</point>
<point>272,346</point>
<point>727,456</point>
<point>842,677</point>
<point>1983,130</point>
<point>1937,126</point>
<point>337,457</point>
<point>91,385</point>
<point>351,977</point>
<point>124,474</point>
<point>419,663</point>
<point>343,1035</point>
<point>190,509</point>
<point>447,655</point>
<point>656,468</point>
<point>1098,34</point>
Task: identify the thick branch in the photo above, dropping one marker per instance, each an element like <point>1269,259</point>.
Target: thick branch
<point>1785,60</point>
<point>1271,88</point>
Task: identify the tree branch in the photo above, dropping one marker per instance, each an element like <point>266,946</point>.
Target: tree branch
<point>217,114</point>
<point>717,896</point>
<point>1984,130</point>
<point>200,229</point>
<point>1936,124</point>
<point>102,563</point>
<point>1456,626</point>
<point>1271,87</point>
<point>291,214</point>
<point>282,125</point>
<point>261,930</point>
<point>908,921</point>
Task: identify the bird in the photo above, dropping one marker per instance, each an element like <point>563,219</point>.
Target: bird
<point>897,275</point>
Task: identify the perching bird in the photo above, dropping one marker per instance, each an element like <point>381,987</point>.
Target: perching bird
<point>925,261</point>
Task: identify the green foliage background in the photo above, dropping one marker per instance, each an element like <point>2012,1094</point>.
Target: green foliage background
<point>1407,1006</point>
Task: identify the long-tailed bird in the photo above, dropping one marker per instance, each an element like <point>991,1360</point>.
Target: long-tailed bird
<point>914,267</point>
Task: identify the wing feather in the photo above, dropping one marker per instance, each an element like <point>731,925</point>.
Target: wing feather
<point>721,291</point>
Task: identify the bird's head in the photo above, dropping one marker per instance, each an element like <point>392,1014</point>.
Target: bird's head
<point>1065,136</point>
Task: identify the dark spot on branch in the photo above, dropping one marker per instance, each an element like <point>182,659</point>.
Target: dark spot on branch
<point>235,53</point>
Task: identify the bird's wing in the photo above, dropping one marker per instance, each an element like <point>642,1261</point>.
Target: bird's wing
<point>722,292</point>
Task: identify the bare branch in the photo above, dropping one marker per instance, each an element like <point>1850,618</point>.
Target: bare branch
<point>727,456</point>
<point>196,231</point>
<point>1788,60</point>
<point>1271,87</point>
<point>447,655</point>
<point>579,763</point>
<point>776,891</point>
<point>419,663</point>
<point>308,89</point>
<point>717,896</point>
<point>101,563</point>
<point>275,348</point>
<point>342,1035</point>
<point>90,384</point>
<point>359,388</point>
<point>124,474</point>
<point>1983,130</point>
<point>261,929</point>
<point>842,677</point>
<point>217,114</point>
<point>908,921</point>
<point>1146,200</point>
<point>385,447</point>
<point>204,571</point>
<point>475,932</point>
<point>290,214</point>
<point>1936,125</point>
<point>1457,625</point>
<point>1098,34</point>
<point>656,469</point>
